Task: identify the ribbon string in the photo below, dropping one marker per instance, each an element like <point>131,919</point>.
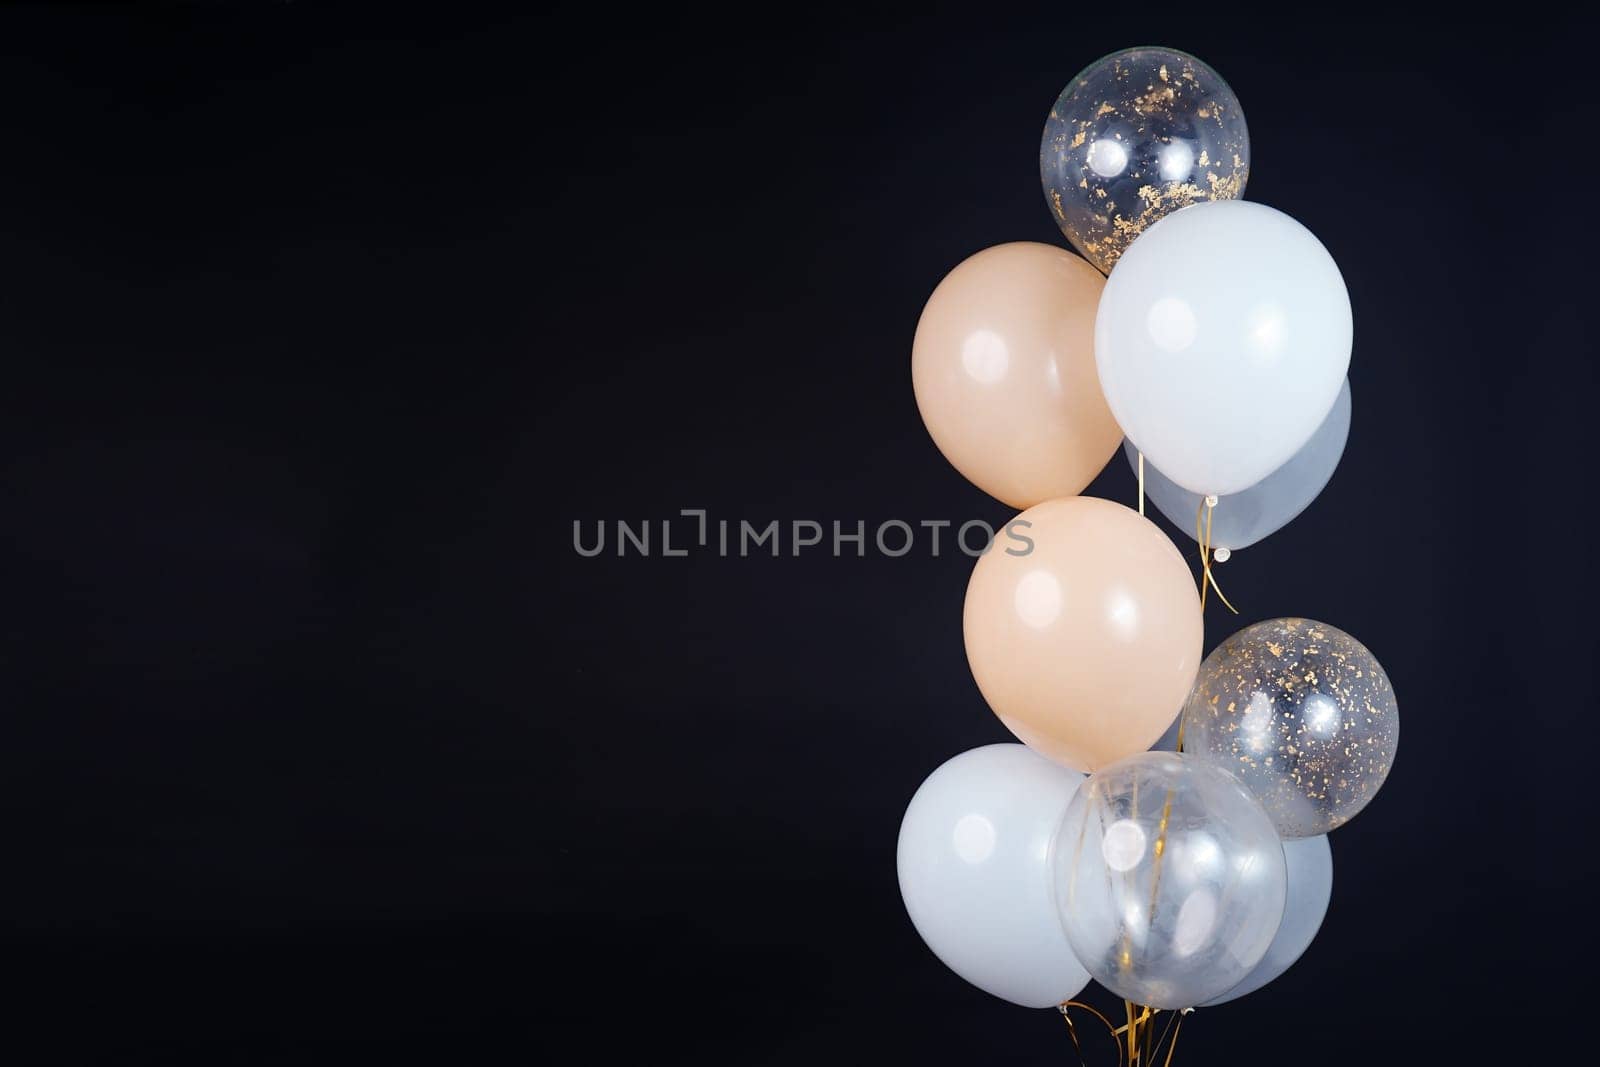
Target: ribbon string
<point>1140,1041</point>
<point>1174,1024</point>
<point>1115,1033</point>
<point>1077,1045</point>
<point>1202,534</point>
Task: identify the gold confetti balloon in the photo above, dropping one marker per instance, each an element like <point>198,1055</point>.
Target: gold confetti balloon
<point>1302,714</point>
<point>1134,137</point>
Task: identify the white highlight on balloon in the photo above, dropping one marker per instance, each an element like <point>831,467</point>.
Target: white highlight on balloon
<point>1108,158</point>
<point>1176,161</point>
<point>1257,721</point>
<point>985,357</point>
<point>973,838</point>
<point>1321,715</point>
<point>1196,919</point>
<point>1267,332</point>
<point>1248,866</point>
<point>1123,845</point>
<point>1124,613</point>
<point>1052,375</point>
<point>1171,323</point>
<point>1038,599</point>
<point>1201,856</point>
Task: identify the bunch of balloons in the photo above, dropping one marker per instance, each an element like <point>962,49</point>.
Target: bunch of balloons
<point>1214,355</point>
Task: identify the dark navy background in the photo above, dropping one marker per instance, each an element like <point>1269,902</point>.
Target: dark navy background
<point>322,324</point>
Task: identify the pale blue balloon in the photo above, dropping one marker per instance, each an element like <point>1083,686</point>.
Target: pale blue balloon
<point>1310,865</point>
<point>1241,519</point>
<point>1309,862</point>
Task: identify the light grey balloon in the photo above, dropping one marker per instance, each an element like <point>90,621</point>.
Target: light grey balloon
<point>1309,862</point>
<point>1241,519</point>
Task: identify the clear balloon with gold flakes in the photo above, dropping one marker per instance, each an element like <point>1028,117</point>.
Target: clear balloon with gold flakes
<point>1301,713</point>
<point>1134,137</point>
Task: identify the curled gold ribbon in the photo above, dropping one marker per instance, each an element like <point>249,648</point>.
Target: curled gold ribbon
<point>1098,1014</point>
<point>1139,1041</point>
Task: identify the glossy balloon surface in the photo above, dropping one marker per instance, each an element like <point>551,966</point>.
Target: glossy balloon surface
<point>1221,340</point>
<point>1004,373</point>
<point>1303,714</point>
<point>973,861</point>
<point>1134,137</point>
<point>1170,880</point>
<point>1084,631</point>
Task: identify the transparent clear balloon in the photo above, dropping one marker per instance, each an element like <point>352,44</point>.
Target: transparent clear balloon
<point>1170,880</point>
<point>1303,714</point>
<point>1134,137</point>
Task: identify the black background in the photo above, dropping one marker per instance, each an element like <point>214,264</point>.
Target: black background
<point>321,325</point>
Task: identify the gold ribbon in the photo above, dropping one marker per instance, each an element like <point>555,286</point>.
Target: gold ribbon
<point>1139,1044</point>
<point>1174,1046</point>
<point>1073,1030</point>
<point>1202,533</point>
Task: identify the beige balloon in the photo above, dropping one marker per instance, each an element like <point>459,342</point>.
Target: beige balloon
<point>1004,371</point>
<point>1087,643</point>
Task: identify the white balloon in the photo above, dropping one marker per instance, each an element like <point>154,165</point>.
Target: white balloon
<point>1222,338</point>
<point>1310,865</point>
<point>976,875</point>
